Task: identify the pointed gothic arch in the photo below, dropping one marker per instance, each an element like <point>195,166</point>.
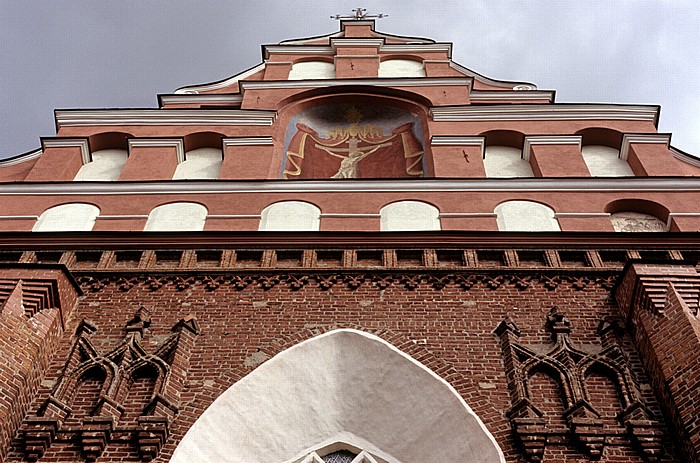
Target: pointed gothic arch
<point>333,388</point>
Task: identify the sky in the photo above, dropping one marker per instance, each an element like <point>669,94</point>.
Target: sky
<point>111,54</point>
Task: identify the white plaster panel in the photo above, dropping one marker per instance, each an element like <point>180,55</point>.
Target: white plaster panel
<point>525,216</point>
<point>636,222</point>
<point>343,383</point>
<point>67,217</point>
<point>506,162</point>
<point>401,68</point>
<point>177,217</point>
<point>312,70</point>
<point>106,165</point>
<point>290,216</point>
<point>603,161</point>
<point>199,164</point>
<point>409,216</point>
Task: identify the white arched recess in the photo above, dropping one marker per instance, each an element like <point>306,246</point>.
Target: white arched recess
<point>177,217</point>
<point>505,162</point>
<point>603,161</point>
<point>525,216</point>
<point>401,68</point>
<point>67,217</point>
<point>105,165</point>
<point>202,163</point>
<point>409,216</point>
<point>342,389</point>
<point>290,216</point>
<point>312,70</point>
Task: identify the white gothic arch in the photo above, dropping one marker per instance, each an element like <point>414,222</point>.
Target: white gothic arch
<point>342,386</point>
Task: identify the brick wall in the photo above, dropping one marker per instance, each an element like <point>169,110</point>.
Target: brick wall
<point>445,320</point>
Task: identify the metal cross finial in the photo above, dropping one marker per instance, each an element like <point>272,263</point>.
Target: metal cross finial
<point>360,14</point>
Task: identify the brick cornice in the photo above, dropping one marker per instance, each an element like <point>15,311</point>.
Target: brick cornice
<point>350,240</point>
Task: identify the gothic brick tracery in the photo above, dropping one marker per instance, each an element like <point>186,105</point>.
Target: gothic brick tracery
<point>571,369</point>
<point>95,412</point>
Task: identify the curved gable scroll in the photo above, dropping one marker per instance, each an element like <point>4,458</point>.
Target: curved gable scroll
<point>344,386</point>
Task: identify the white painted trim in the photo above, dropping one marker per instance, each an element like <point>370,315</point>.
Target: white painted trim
<point>581,214</point>
<point>339,215</point>
<point>19,217</point>
<point>356,42</point>
<point>549,140</point>
<point>684,214</point>
<point>417,48</point>
<point>81,143</point>
<point>378,82</point>
<point>487,80</point>
<point>520,184</point>
<point>121,217</point>
<point>344,440</point>
<point>681,156</point>
<point>335,58</point>
<point>449,140</point>
<point>466,214</point>
<point>224,83</point>
<point>298,50</point>
<point>200,99</point>
<point>679,214</point>
<point>517,95</point>
<point>177,143</point>
<point>119,117</point>
<point>247,141</point>
<point>22,158</point>
<point>553,112</point>
<point>234,216</point>
<point>629,138</point>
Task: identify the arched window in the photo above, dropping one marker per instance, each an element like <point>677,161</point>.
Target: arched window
<point>202,163</point>
<point>401,68</point>
<point>409,216</point>
<point>68,217</point>
<point>290,216</point>
<point>177,217</point>
<point>505,162</point>
<point>106,165</point>
<point>321,396</point>
<point>625,221</point>
<point>312,70</point>
<point>525,216</point>
<point>604,161</point>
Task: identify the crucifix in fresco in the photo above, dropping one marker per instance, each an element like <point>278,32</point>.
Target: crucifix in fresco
<point>357,149</point>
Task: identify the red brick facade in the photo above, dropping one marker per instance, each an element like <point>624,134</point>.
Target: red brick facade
<point>575,345</point>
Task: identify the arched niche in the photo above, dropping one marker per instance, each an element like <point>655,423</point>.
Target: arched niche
<point>344,386</point>
<point>401,67</point>
<point>177,217</point>
<point>67,217</point>
<point>201,163</point>
<point>110,141</point>
<point>525,216</point>
<point>409,216</point>
<point>350,137</point>
<point>290,216</point>
<point>503,155</point>
<point>638,215</point>
<point>203,157</point>
<point>306,70</point>
<point>600,148</point>
<point>106,165</point>
<point>604,161</point>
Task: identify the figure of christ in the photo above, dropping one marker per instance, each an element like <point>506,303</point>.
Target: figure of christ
<point>349,164</point>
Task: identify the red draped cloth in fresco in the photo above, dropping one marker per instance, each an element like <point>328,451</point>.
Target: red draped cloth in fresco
<point>398,155</point>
